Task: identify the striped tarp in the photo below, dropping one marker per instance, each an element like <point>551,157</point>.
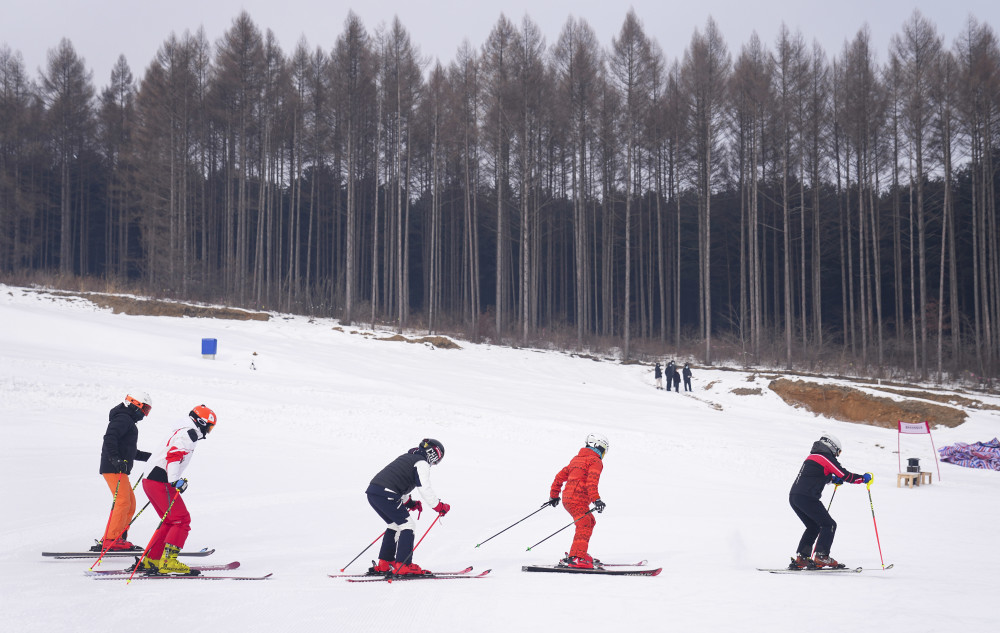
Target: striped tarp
<point>979,455</point>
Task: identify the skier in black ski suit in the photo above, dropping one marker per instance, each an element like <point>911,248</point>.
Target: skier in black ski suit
<point>118,455</point>
<point>687,376</point>
<point>389,494</point>
<point>820,468</point>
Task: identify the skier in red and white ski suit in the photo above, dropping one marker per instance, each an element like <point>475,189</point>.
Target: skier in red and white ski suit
<point>582,476</point>
<point>164,486</point>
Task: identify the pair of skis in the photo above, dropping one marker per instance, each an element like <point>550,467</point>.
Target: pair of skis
<point>118,574</point>
<point>823,570</point>
<point>120,553</point>
<point>112,574</point>
<point>447,575</point>
<point>600,570</point>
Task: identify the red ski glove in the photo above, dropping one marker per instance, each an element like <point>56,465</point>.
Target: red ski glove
<point>412,505</point>
<point>442,508</point>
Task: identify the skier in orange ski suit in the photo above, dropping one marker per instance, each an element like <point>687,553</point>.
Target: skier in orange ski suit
<point>582,476</point>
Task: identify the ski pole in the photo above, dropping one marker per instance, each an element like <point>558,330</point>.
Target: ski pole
<point>561,529</point>
<point>510,526</point>
<point>104,548</point>
<point>131,522</point>
<point>364,550</point>
<point>425,533</point>
<point>155,532</point>
<point>134,518</point>
<point>828,506</point>
<point>114,501</point>
<point>408,558</point>
<point>874,522</point>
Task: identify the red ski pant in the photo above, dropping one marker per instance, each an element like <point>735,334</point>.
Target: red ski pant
<point>584,527</point>
<point>124,506</point>
<point>176,524</point>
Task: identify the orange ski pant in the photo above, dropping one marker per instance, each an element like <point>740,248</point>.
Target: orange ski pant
<point>584,527</point>
<point>124,507</point>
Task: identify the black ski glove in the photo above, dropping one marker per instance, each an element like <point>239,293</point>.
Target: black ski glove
<point>119,465</point>
<point>599,506</point>
<point>554,501</point>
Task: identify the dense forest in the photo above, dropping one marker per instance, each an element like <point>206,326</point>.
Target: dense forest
<point>775,205</point>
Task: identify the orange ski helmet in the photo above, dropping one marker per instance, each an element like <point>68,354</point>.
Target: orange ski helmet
<point>204,418</point>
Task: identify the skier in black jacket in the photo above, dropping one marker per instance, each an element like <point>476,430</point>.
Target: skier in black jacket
<point>118,455</point>
<point>820,468</point>
<point>389,494</point>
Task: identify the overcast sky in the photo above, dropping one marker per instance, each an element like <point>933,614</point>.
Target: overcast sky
<point>101,30</point>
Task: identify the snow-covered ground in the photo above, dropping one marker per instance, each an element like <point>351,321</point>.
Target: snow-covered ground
<point>309,412</point>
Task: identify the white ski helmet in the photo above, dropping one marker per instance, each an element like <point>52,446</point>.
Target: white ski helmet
<point>831,442</point>
<point>599,442</point>
<point>140,400</point>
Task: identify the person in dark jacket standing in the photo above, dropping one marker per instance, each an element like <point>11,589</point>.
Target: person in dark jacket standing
<point>658,374</point>
<point>118,454</point>
<point>675,378</point>
<point>687,376</point>
<point>820,468</point>
<point>389,494</point>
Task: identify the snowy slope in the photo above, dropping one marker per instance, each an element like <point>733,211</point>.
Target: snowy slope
<point>698,485</point>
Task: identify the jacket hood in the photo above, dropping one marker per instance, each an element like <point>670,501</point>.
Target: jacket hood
<point>123,409</point>
<point>821,449</point>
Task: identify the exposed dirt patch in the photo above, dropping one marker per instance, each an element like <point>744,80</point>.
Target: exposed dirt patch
<point>946,398</point>
<point>439,342</point>
<point>138,306</point>
<point>747,391</point>
<point>852,405</point>
<point>710,385</point>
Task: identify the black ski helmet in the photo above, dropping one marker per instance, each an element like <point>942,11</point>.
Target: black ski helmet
<point>433,449</point>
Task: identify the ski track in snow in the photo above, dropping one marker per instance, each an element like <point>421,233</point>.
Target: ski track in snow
<point>280,485</point>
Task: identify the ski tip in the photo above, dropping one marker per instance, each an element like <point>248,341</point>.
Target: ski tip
<point>656,572</point>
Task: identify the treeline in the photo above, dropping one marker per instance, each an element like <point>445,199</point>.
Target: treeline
<point>774,204</point>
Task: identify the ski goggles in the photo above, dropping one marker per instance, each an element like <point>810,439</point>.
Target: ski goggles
<point>142,406</point>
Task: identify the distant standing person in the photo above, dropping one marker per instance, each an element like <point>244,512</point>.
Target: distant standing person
<point>819,469</point>
<point>676,378</point>
<point>118,454</point>
<point>658,374</point>
<point>687,376</point>
<point>164,487</point>
<point>389,494</point>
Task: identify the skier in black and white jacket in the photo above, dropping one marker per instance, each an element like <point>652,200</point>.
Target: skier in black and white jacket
<point>819,469</point>
<point>389,493</point>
